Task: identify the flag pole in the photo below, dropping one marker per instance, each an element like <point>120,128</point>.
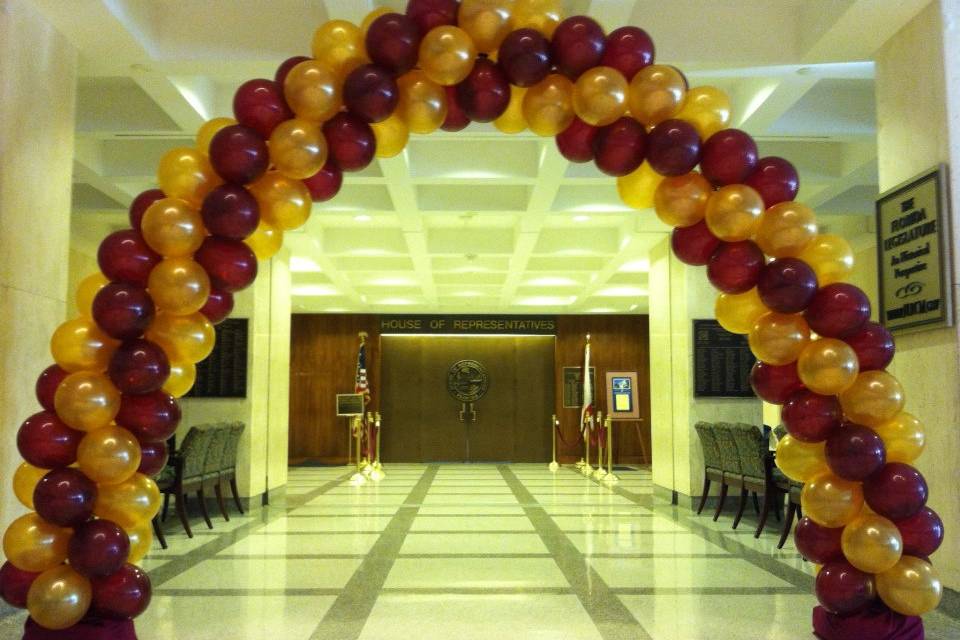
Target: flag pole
<point>599,473</point>
<point>586,417</point>
<point>377,474</point>
<point>358,477</point>
<point>554,424</point>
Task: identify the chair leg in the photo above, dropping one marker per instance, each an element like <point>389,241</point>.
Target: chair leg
<point>218,490</point>
<point>236,494</point>
<point>704,494</point>
<point>203,507</point>
<point>182,513</point>
<point>158,532</point>
<point>767,499</point>
<point>787,524</point>
<point>743,503</point>
<point>778,506</point>
<point>166,505</point>
<point>756,503</point>
<point>723,498</point>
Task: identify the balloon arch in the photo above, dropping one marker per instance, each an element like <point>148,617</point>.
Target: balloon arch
<point>147,318</point>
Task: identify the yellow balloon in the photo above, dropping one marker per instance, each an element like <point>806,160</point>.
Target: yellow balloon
<point>179,286</point>
<point>786,229</point>
<point>447,55</point>
<point>828,366</point>
<point>512,120</point>
<point>903,437</point>
<point>872,543</point>
<point>298,148</point>
<point>59,598</point>
<point>600,96</point>
<point>87,400</point>
<point>681,201</point>
<point>265,241</point>
<point>79,345</point>
<point>370,19</point>
<point>141,539</point>
<point>25,480</point>
<point>87,290</point>
<point>638,189</point>
<point>912,587</point>
<point>312,90</point>
<point>778,338</point>
<point>128,503</point>
<point>548,105</point>
<point>657,93</point>
<point>831,258</point>
<point>184,338</point>
<point>486,21</point>
<point>874,398</point>
<point>338,44</point>
<point>801,461</point>
<point>542,15</point>
<point>284,203</point>
<point>173,228</point>
<point>423,102</point>
<point>109,455</point>
<point>186,174</point>
<point>392,136</point>
<point>733,212</point>
<point>181,379</point>
<point>831,501</point>
<point>33,544</point>
<point>707,109</point>
<point>208,130</point>
<point>739,312</point>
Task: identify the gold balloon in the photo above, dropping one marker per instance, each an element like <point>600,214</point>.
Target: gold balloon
<point>184,338</point>
<point>338,44</point>
<point>831,501</point>
<point>87,400</point>
<point>681,201</point>
<point>786,229</point>
<point>25,480</point>
<point>141,539</point>
<point>912,587</point>
<point>487,22</point>
<point>707,109</point>
<point>733,212</point>
<point>600,96</point>
<point>312,90</point>
<point>208,130</point>
<point>512,120</point>
<point>298,148</point>
<point>33,544</point>
<point>872,543</point>
<point>657,93</point>
<point>548,105</point>
<point>179,286</point>
<point>778,338</point>
<point>59,598</point>
<point>830,257</point>
<point>87,290</point>
<point>181,379</point>
<point>109,455</point>
<point>638,189</point>
<point>265,241</point>
<point>284,203</point>
<point>392,136</point>
<point>423,103</point>
<point>447,55</point>
<point>370,19</point>
<point>828,366</point>
<point>186,174</point>
<point>173,228</point>
<point>79,345</point>
<point>874,398</point>
<point>128,503</point>
<point>903,437</point>
<point>542,15</point>
<point>801,461</point>
<point>739,312</point>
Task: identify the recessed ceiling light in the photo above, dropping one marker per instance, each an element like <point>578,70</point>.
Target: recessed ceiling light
<point>362,218</point>
<point>546,301</point>
<point>549,281</point>
<point>314,290</point>
<point>601,208</point>
<point>622,292</point>
<point>633,307</point>
<point>581,218</point>
<point>299,264</point>
<point>635,266</point>
<point>393,282</point>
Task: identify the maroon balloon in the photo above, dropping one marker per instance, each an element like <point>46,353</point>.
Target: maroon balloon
<point>123,311</point>
<point>619,148</point>
<point>729,157</point>
<point>230,211</point>
<point>576,141</point>
<point>47,384</point>
<point>787,285</point>
<point>371,93</point>
<point>874,346</point>
<point>457,119</point>
<point>239,154</point>
<point>694,245</point>
<point>843,589</point>
<point>351,140</point>
<point>393,42</point>
<point>98,548</point>
<point>280,77</point>
<point>577,45</point>
<point>140,205</point>
<point>673,148</point>
<point>896,491</point>
<point>65,497</point>
<point>219,305</point>
<point>231,264</point>
<point>150,417</point>
<point>485,92</point>
<point>429,14</point>
<point>122,595</point>
<point>922,533</point>
<point>259,104</point>
<point>816,543</point>
<point>124,256</point>
<point>773,383</point>
<point>735,266</point>
<point>46,442</point>
<point>775,179</point>
<point>326,183</point>
<point>838,310</point>
<point>14,585</point>
<point>855,452</point>
<point>139,366</point>
<point>811,417</point>
<point>524,56</point>
<point>628,49</point>
<point>153,458</point>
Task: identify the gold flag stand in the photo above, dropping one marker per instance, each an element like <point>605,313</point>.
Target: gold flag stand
<point>377,474</point>
<point>599,473</point>
<point>587,469</point>
<point>357,427</point>
<point>554,425</point>
<point>610,478</point>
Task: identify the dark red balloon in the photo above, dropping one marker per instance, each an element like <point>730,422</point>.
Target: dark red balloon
<point>695,244</point>
<point>837,310</point>
<point>619,148</point>
<point>123,311</point>
<point>855,452</point>
<point>457,119</point>
<point>485,93</point>
<point>230,211</point>
<point>729,157</point>
<point>628,49</point>
<point>843,589</point>
<point>787,285</point>
<point>393,42</point>
<point>122,595</point>
<point>140,205</point>
<point>577,45</point>
<point>219,305</point>
<point>14,585</point>
<point>124,256</point>
<point>231,264</point>
<point>811,417</point>
<point>922,533</point>
<point>576,141</point>
<point>524,56</point>
<point>259,104</point>
<point>775,179</point>
<point>351,140</point>
<point>816,543</point>
<point>239,154</point>
<point>896,491</point>
<point>280,77</point>
<point>429,14</point>
<point>371,93</point>
<point>673,148</point>
<point>326,183</point>
<point>153,457</point>
<point>47,384</point>
<point>46,442</point>
<point>735,266</point>
<point>65,497</point>
<point>874,346</point>
<point>139,366</point>
<point>150,417</point>
<point>98,548</point>
<point>773,383</point>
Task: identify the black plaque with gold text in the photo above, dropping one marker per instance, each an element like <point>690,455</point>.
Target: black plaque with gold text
<point>224,373</point>
<point>721,362</point>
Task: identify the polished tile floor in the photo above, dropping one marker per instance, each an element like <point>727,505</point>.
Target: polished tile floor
<point>474,552</point>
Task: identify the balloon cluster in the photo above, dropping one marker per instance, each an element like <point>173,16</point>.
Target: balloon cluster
<point>147,318</point>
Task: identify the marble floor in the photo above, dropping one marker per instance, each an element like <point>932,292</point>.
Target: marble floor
<point>474,552</point>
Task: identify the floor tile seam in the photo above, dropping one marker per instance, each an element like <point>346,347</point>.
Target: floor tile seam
<point>358,556</point>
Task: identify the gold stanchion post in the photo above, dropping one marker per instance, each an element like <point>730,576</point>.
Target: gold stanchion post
<point>377,474</point>
<point>554,424</point>
<point>587,470</point>
<point>599,473</point>
<point>358,477</point>
<point>610,478</point>
<point>367,464</point>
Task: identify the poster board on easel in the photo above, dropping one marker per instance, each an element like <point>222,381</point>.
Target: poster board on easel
<point>622,401</point>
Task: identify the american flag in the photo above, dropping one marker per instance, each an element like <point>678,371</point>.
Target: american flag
<point>587,410</point>
<point>361,385</point>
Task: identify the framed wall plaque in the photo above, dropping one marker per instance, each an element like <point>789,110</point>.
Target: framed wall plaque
<point>224,373</point>
<point>573,386</point>
<point>622,401</point>
<point>721,362</point>
<point>350,404</point>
